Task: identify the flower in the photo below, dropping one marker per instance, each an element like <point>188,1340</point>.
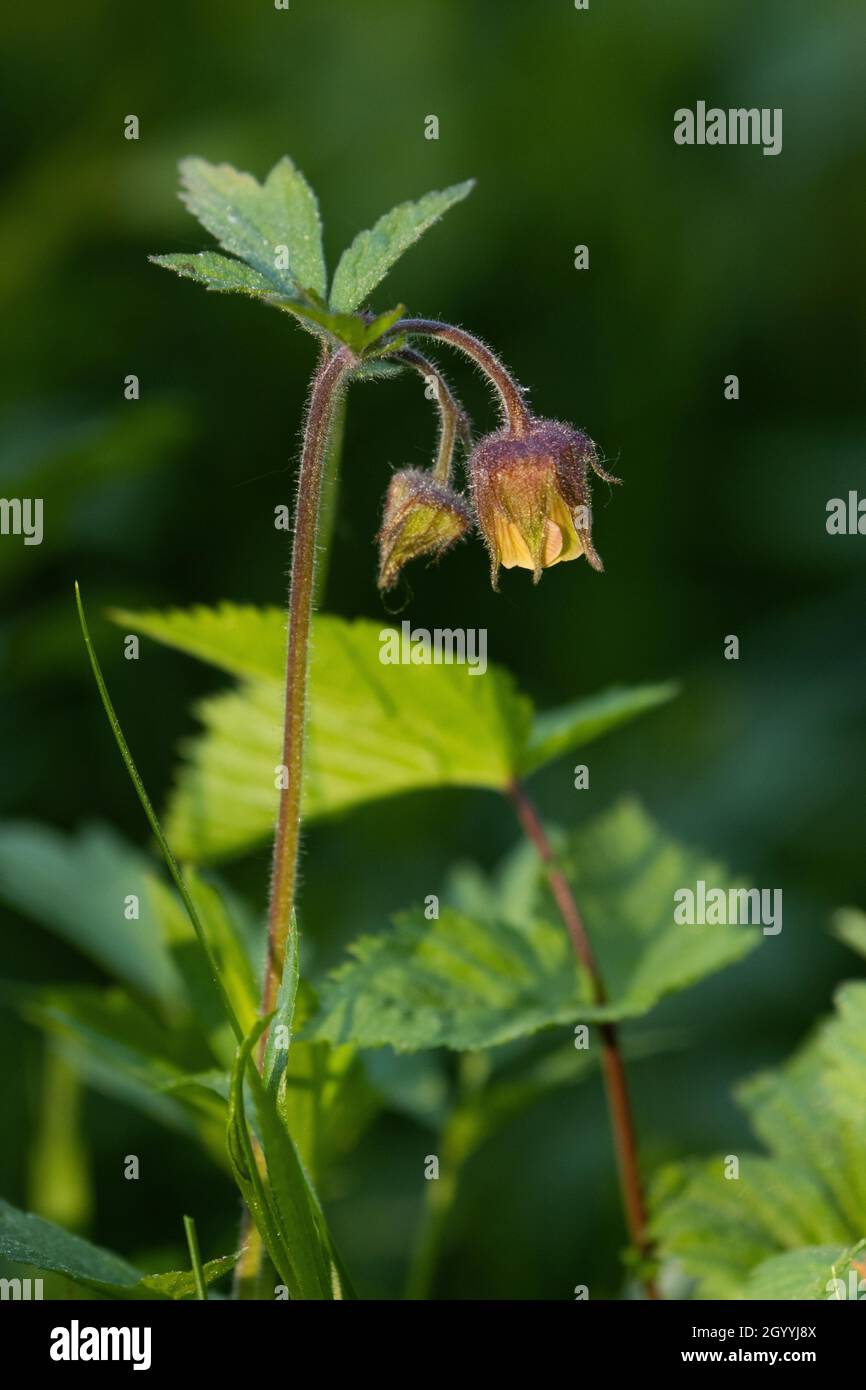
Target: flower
<point>421,517</point>
<point>532,496</point>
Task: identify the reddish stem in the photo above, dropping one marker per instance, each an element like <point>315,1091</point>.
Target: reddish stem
<point>615,1080</point>
<point>510,393</point>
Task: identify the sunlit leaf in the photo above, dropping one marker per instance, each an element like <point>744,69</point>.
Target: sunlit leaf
<point>372,253</point>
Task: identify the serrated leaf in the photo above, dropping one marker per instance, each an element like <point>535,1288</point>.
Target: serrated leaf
<point>375,730</point>
<point>251,220</point>
<point>806,1191</point>
<point>468,983</point>
<point>77,886</point>
<point>219,273</point>
<point>561,730</point>
<point>798,1274</point>
<point>372,253</point>
<point>28,1239</point>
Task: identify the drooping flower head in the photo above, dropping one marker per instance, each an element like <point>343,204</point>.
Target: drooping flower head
<point>532,497</point>
<point>421,517</point>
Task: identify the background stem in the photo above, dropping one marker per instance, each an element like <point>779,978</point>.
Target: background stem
<point>616,1084</point>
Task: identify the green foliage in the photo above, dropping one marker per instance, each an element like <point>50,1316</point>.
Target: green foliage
<point>372,253</point>
<point>850,926</point>
<point>804,1192</point>
<point>374,730</point>
<point>280,1198</point>
<point>470,982</point>
<point>252,221</point>
<point>558,731</point>
<point>152,819</point>
<point>76,885</point>
<point>805,1274</point>
<point>27,1239</point>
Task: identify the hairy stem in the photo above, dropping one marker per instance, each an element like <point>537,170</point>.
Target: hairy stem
<point>453,421</point>
<point>330,496</point>
<point>326,393</point>
<point>326,387</point>
<point>515,414</point>
<point>615,1081</point>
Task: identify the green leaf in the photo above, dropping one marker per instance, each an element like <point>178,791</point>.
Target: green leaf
<point>219,273</point>
<point>251,220</point>
<point>560,730</point>
<point>798,1274</point>
<point>77,886</point>
<point>465,982</point>
<point>182,1283</point>
<point>849,926</point>
<point>322,1094</point>
<point>27,1239</point>
<point>375,730</point>
<point>372,253</point>
<point>351,329</point>
<point>229,951</point>
<point>281,1201</point>
<point>119,1047</point>
<point>801,1193</point>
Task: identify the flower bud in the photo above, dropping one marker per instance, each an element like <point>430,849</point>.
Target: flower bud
<point>532,497</point>
<point>421,517</point>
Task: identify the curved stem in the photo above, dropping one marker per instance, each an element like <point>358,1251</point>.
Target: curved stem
<point>453,421</point>
<point>616,1083</point>
<point>327,382</point>
<point>515,414</point>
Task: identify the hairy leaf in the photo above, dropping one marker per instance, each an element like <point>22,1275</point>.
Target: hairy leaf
<point>372,253</point>
<point>252,220</point>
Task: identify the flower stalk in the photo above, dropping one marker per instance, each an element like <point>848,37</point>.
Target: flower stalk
<point>327,383</point>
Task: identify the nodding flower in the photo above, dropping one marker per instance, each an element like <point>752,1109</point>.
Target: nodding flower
<point>532,497</point>
<point>421,517</point>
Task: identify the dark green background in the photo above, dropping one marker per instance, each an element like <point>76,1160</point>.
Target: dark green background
<point>702,262</point>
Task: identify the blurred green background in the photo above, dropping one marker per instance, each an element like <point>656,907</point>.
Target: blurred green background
<point>703,262</point>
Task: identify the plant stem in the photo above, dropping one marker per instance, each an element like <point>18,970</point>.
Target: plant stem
<point>330,496</point>
<point>616,1084</point>
<point>453,420</point>
<point>195,1258</point>
<point>325,391</point>
<point>515,414</point>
